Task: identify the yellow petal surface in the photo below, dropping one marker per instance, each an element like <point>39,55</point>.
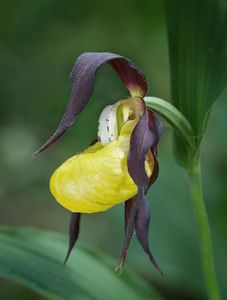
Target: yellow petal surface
<point>96,179</point>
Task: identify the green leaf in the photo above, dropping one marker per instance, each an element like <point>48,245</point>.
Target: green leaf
<point>197,35</point>
<point>34,257</point>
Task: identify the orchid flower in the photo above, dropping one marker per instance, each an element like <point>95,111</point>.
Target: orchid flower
<point>121,164</point>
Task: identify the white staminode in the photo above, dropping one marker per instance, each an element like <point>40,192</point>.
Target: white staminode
<point>108,130</point>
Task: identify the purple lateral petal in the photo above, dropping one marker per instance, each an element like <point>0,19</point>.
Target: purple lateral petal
<point>128,207</point>
<point>145,137</point>
<point>142,227</point>
<point>155,126</point>
<point>141,141</point>
<point>155,172</point>
<point>130,213</point>
<point>82,81</point>
<point>74,228</point>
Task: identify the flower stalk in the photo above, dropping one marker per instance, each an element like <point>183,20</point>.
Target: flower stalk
<point>194,172</point>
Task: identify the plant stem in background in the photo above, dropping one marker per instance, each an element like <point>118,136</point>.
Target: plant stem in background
<point>182,128</point>
<point>194,172</point>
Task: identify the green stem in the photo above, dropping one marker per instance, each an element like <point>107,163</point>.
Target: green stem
<point>204,230</point>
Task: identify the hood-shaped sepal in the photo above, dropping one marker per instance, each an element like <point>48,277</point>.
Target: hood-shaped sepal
<point>82,81</point>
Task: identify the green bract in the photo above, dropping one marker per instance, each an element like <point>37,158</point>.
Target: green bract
<point>197,32</point>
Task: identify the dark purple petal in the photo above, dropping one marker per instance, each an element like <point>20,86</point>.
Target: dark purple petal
<point>142,227</point>
<point>128,207</point>
<point>145,137</point>
<point>142,139</point>
<point>155,172</point>
<point>155,126</point>
<point>82,81</point>
<point>131,208</point>
<point>74,228</point>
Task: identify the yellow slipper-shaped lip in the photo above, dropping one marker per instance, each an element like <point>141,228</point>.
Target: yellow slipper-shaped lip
<point>96,179</point>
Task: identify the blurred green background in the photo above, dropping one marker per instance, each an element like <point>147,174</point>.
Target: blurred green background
<point>39,42</point>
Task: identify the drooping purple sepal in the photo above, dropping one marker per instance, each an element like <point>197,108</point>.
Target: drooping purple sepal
<point>82,81</point>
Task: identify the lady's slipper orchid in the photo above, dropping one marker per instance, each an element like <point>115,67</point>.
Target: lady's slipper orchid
<point>121,165</point>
